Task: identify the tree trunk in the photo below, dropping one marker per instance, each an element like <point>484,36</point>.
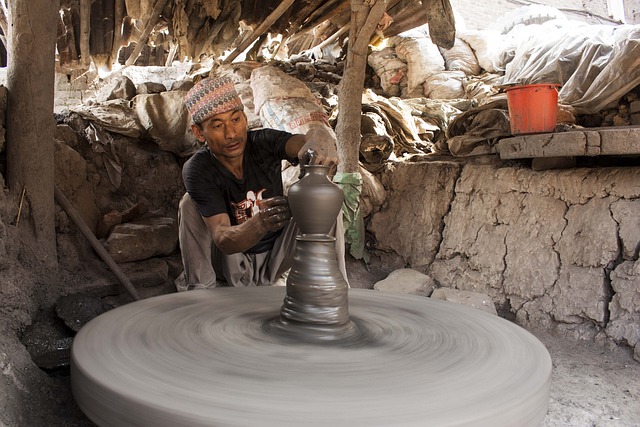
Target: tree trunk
<point>364,20</point>
<point>30,122</point>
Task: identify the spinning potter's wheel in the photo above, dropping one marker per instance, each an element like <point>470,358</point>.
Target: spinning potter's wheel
<point>216,357</point>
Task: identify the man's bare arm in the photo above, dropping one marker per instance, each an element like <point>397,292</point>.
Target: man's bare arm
<point>273,215</point>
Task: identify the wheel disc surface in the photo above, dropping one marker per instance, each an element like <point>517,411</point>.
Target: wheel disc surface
<point>214,358</point>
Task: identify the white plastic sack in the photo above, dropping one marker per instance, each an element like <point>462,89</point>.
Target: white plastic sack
<point>246,95</point>
<point>461,58</point>
<point>423,59</point>
<point>295,115</point>
<point>269,82</point>
<point>167,121</point>
<point>445,85</point>
<point>489,48</point>
<point>388,67</point>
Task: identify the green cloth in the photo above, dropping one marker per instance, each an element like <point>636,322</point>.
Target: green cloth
<point>351,184</point>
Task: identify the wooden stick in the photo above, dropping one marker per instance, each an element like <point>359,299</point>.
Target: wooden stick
<point>24,190</point>
<point>86,232</point>
<point>333,37</point>
<point>257,33</point>
<point>153,20</point>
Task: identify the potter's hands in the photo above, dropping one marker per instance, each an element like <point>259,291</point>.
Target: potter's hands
<point>274,213</point>
<point>319,148</point>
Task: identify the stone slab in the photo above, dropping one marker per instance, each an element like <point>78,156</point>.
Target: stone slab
<point>589,143</point>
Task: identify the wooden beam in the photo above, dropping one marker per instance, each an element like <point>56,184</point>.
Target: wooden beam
<point>151,23</point>
<point>333,37</point>
<point>85,31</point>
<point>260,30</point>
<point>3,22</point>
<point>322,14</point>
<point>118,19</point>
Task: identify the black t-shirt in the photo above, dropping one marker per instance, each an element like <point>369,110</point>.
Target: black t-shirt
<point>215,190</point>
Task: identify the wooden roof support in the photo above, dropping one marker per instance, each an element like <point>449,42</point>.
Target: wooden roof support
<point>85,32</point>
<point>322,14</point>
<point>260,30</point>
<point>151,23</point>
<point>333,37</point>
<point>3,22</point>
<point>118,19</point>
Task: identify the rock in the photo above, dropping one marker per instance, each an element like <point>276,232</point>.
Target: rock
<point>67,135</point>
<point>116,87</point>
<point>49,346</point>
<point>625,306</point>
<point>167,121</point>
<point>150,87</point>
<point>182,85</point>
<point>142,239</point>
<point>76,310</point>
<point>473,299</point>
<point>107,222</point>
<point>71,179</point>
<point>407,281</point>
<point>142,274</point>
<point>113,218</point>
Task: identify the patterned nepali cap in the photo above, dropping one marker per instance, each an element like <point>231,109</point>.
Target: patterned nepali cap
<point>212,96</point>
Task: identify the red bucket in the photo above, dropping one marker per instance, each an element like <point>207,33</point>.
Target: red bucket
<point>532,108</point>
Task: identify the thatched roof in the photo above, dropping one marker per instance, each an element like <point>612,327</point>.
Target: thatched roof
<point>166,30</point>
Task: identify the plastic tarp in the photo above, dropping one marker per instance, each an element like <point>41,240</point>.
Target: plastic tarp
<point>351,184</point>
<point>594,64</point>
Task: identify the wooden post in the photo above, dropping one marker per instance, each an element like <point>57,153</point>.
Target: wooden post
<point>30,123</point>
<point>364,20</point>
<point>257,33</point>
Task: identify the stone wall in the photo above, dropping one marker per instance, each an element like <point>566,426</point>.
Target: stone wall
<point>555,249</point>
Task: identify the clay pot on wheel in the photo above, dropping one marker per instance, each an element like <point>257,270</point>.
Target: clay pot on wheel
<point>315,201</point>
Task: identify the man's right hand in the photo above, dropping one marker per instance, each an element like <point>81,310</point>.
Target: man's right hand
<point>274,213</point>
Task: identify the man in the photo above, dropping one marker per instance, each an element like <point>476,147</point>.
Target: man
<point>234,221</point>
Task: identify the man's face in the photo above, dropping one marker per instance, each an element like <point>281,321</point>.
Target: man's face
<point>225,134</point>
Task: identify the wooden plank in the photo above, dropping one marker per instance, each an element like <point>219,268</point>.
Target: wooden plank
<point>586,143</point>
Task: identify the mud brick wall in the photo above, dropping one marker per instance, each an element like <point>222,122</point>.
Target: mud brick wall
<point>555,249</point>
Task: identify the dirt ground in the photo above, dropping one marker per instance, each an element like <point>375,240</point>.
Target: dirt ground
<point>591,385</point>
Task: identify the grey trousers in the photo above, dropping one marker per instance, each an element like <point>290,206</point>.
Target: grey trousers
<point>205,266</point>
